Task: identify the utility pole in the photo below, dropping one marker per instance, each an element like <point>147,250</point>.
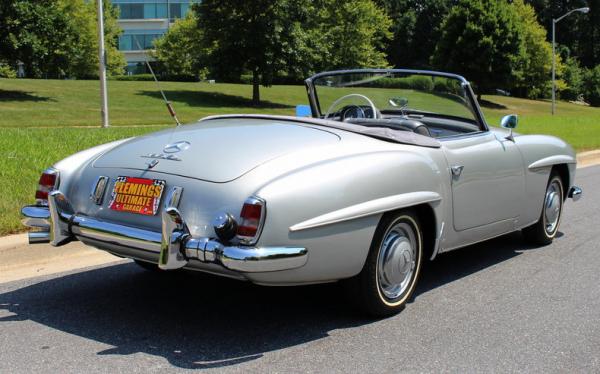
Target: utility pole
<point>102,65</point>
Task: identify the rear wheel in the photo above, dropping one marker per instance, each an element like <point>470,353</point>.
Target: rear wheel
<point>390,273</point>
<point>544,230</point>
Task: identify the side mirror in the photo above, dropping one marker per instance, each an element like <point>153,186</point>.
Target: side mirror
<point>509,122</point>
<point>303,111</point>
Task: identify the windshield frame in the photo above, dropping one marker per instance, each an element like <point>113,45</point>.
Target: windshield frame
<point>316,108</point>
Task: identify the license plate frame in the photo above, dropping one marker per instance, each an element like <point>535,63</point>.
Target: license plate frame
<point>136,195</point>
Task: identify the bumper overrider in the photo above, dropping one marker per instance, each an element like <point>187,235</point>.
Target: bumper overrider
<point>58,224</point>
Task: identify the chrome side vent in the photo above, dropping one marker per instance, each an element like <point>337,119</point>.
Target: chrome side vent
<point>98,189</point>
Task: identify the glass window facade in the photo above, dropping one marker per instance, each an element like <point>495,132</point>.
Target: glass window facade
<point>137,42</point>
<point>152,9</point>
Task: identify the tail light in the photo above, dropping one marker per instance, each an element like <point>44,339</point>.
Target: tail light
<point>252,218</point>
<point>47,183</point>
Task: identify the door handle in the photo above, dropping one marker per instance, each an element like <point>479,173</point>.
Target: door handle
<point>457,170</point>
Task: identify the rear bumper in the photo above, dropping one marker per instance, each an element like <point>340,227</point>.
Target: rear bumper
<point>172,248</point>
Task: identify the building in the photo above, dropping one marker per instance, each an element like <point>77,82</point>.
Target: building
<point>143,21</point>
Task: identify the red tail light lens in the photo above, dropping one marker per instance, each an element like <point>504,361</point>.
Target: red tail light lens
<point>47,183</point>
<point>251,220</point>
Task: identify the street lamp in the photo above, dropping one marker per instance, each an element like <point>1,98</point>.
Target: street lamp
<point>554,22</point>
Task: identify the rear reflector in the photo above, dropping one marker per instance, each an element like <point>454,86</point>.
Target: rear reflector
<point>47,183</point>
<point>251,219</point>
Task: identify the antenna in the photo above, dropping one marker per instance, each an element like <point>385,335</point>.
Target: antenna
<point>167,102</point>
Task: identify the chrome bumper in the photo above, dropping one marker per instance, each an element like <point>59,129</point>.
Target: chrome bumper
<point>575,193</point>
<point>58,224</point>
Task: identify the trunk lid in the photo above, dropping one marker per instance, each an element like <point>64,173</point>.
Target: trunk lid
<point>217,150</point>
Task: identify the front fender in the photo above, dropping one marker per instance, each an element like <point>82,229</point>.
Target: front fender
<point>540,154</point>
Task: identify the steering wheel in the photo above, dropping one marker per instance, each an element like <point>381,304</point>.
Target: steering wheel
<point>335,103</point>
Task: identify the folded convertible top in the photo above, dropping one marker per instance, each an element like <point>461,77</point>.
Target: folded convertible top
<point>383,133</point>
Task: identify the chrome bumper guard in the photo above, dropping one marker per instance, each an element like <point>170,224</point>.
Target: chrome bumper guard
<point>575,193</point>
<point>58,224</point>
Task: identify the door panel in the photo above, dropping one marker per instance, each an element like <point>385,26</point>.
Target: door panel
<point>490,187</point>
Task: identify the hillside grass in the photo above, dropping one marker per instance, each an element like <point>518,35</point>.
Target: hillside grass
<point>43,121</point>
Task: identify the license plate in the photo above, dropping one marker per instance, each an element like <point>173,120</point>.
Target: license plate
<point>137,195</point>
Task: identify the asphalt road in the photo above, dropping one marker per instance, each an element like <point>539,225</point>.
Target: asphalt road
<point>500,306</point>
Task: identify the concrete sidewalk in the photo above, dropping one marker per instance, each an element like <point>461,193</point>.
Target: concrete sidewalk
<point>19,260</point>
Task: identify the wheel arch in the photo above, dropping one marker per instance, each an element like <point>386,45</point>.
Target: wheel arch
<point>429,226</point>
<point>563,172</point>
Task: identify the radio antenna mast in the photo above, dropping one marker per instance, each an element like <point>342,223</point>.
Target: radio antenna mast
<point>167,102</point>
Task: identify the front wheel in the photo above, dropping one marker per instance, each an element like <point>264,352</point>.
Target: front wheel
<point>544,230</point>
<point>391,270</point>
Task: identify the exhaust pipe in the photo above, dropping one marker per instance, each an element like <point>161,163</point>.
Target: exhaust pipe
<point>38,237</point>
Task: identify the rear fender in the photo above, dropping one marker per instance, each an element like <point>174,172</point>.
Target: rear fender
<point>333,208</point>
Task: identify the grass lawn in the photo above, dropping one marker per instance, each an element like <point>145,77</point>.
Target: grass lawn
<point>40,121</point>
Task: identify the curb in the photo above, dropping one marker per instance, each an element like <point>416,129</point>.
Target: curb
<point>12,241</point>
<point>590,158</point>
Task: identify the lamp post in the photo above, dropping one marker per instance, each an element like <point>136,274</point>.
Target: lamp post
<point>554,22</point>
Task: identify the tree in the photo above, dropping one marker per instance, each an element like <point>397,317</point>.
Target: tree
<point>260,36</point>
<point>535,63</point>
<point>353,34</point>
<point>416,30</point>
<point>57,38</point>
<point>36,33</point>
<point>573,76</point>
<point>482,40</point>
<point>179,51</point>
<point>83,23</point>
<point>592,86</point>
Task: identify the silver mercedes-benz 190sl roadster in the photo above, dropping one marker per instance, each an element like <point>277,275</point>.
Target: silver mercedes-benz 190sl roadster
<point>385,170</point>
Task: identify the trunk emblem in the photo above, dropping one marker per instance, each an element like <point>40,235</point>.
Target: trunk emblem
<point>176,147</point>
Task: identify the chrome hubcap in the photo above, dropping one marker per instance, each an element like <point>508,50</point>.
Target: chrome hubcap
<point>552,207</point>
<point>397,260</point>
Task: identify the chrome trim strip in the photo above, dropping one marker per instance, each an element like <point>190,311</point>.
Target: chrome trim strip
<point>37,237</point>
<point>368,208</point>
<point>36,216</point>
<point>552,160</point>
<point>575,193</point>
<point>174,197</point>
<point>66,226</point>
<point>60,217</point>
<point>98,189</point>
<point>438,241</point>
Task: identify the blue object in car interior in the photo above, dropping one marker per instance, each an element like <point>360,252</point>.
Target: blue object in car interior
<point>303,111</point>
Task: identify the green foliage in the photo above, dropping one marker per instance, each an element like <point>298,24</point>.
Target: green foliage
<point>6,71</point>
<point>573,76</point>
<point>290,39</point>
<point>264,37</point>
<point>416,30</point>
<point>532,80</point>
<point>354,34</point>
<point>180,51</point>
<point>579,32</point>
<point>83,22</point>
<point>56,38</point>
<point>592,86</point>
<point>483,40</point>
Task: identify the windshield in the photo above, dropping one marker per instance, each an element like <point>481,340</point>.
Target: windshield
<point>393,92</point>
